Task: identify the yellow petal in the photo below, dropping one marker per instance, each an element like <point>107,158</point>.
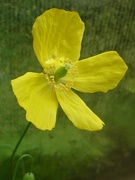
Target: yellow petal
<point>37,98</point>
<point>57,34</point>
<point>77,111</point>
<point>100,73</point>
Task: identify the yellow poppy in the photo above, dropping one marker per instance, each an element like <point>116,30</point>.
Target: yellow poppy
<point>57,42</point>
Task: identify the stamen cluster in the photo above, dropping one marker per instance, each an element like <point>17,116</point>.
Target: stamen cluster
<point>60,73</point>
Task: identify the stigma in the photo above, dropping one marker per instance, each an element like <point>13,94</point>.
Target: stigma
<point>60,73</point>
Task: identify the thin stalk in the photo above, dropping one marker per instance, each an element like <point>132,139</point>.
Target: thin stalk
<point>14,151</point>
<point>18,162</point>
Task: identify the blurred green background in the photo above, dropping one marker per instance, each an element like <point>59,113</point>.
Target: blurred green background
<point>67,153</point>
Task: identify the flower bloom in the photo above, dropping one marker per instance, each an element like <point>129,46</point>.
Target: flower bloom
<point>57,42</point>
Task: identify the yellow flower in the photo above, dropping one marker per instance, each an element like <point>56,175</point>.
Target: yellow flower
<point>57,42</point>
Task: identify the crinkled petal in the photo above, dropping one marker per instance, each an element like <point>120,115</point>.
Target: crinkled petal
<point>77,111</point>
<point>100,73</point>
<point>57,34</point>
<point>37,98</point>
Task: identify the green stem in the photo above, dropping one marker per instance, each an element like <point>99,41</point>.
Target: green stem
<point>17,164</point>
<point>14,151</point>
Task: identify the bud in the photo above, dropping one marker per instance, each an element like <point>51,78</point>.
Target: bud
<point>29,176</point>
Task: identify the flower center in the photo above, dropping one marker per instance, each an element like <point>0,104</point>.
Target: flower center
<point>60,74</point>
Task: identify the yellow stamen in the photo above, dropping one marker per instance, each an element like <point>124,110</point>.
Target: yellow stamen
<point>60,73</point>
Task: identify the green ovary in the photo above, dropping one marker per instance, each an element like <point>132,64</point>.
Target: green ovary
<point>60,73</point>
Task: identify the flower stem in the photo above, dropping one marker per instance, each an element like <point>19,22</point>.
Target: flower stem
<point>18,162</point>
<point>14,151</point>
